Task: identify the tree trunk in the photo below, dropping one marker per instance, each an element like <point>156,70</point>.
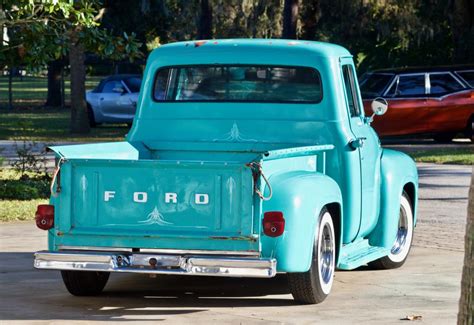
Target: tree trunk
<point>466,303</point>
<point>2,16</point>
<point>79,118</point>
<point>310,16</point>
<point>10,88</point>
<point>63,90</point>
<point>290,17</point>
<point>462,23</point>
<point>205,21</point>
<point>54,84</point>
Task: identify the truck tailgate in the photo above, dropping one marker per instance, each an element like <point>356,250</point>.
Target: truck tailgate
<point>155,204</point>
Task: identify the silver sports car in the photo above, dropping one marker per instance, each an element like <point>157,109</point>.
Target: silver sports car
<point>114,99</point>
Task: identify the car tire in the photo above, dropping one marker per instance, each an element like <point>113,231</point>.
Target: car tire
<point>444,137</point>
<point>91,117</point>
<point>404,238</point>
<point>85,283</point>
<point>313,286</point>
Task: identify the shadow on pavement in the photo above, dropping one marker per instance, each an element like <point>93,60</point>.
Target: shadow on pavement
<point>127,297</point>
<point>428,171</point>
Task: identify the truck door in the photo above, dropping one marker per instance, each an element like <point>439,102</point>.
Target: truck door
<point>368,145</point>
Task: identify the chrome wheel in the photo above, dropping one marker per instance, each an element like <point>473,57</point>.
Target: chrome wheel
<point>402,232</point>
<point>326,254</point>
<point>404,235</point>
<point>314,285</point>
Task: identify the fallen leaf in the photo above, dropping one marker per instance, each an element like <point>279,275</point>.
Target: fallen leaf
<point>412,317</point>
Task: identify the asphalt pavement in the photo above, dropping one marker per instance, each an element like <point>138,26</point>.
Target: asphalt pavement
<point>428,285</point>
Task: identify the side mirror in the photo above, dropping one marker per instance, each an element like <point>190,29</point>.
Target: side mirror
<point>379,107</point>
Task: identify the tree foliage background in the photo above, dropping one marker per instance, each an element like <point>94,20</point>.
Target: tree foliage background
<point>380,33</point>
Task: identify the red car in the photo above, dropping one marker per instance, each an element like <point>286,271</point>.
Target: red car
<point>431,101</point>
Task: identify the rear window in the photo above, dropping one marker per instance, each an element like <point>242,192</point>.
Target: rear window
<point>443,83</point>
<point>226,83</point>
<point>467,76</point>
<point>374,84</point>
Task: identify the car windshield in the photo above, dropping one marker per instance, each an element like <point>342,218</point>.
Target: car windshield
<point>225,83</point>
<point>133,84</point>
<point>373,84</point>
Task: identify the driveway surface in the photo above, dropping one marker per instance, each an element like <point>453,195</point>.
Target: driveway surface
<point>428,285</point>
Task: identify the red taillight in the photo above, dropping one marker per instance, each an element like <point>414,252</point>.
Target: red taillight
<point>273,223</point>
<point>45,216</point>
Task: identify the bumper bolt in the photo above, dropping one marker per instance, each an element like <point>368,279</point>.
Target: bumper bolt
<point>152,262</point>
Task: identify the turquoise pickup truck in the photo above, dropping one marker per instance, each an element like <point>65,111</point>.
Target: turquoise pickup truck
<point>246,158</point>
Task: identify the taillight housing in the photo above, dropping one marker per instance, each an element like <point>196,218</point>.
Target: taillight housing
<point>45,216</point>
<point>273,223</point>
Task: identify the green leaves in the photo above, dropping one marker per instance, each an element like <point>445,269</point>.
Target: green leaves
<point>42,27</point>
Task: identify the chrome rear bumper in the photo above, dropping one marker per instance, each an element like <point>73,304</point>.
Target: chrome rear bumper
<point>156,263</point>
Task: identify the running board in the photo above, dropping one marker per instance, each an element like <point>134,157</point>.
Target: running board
<point>358,254</point>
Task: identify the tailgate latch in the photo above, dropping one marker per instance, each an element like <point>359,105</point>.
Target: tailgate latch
<point>56,176</point>
<point>257,172</point>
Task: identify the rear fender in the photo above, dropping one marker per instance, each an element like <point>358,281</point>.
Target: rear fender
<point>300,196</point>
<point>397,172</point>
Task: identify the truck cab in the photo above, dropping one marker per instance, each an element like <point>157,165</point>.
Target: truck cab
<point>246,158</point>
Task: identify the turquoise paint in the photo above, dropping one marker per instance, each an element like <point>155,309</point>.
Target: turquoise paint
<point>359,253</point>
<point>299,196</point>
<point>398,170</point>
<point>369,162</point>
<point>106,150</point>
<point>85,211</point>
<point>186,147</point>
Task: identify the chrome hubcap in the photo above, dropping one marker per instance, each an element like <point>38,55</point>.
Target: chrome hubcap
<point>401,239</point>
<point>326,254</point>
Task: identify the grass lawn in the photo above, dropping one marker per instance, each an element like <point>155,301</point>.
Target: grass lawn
<point>457,156</point>
<point>29,120</point>
<point>43,124</point>
<point>33,90</point>
<point>12,189</point>
<point>19,210</point>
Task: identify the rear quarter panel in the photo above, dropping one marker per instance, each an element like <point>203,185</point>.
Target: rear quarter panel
<point>300,196</point>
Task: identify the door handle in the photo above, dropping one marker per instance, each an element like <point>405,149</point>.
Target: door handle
<point>357,143</point>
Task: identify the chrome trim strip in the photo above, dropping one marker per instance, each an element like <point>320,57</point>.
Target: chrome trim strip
<point>427,84</point>
<point>394,80</point>
<point>448,73</point>
<point>459,80</point>
<point>457,73</point>
<point>160,251</point>
<point>156,264</point>
<point>426,97</point>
